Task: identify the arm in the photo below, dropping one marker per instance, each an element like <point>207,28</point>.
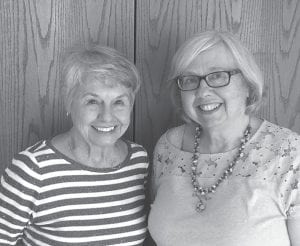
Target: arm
<point>293,176</point>
<point>293,219</point>
<point>173,136</point>
<point>293,225</point>
<point>157,166</point>
<point>17,197</point>
<point>155,170</point>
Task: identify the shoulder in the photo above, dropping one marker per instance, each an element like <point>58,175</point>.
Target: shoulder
<point>135,147</point>
<point>279,144</point>
<point>38,156</point>
<point>284,144</point>
<point>278,135</point>
<point>25,166</point>
<point>175,135</point>
<point>172,136</point>
<point>168,147</point>
<point>32,153</point>
<point>37,147</point>
<point>137,153</point>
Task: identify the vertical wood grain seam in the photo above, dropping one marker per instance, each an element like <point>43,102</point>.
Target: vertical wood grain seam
<point>134,61</point>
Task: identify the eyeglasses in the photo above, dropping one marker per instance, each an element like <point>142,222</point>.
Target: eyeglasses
<point>214,80</point>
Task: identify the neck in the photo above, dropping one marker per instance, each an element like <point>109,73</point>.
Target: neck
<point>223,137</point>
<point>93,155</point>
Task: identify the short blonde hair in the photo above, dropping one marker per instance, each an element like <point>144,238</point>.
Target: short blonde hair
<point>246,63</point>
<point>104,63</point>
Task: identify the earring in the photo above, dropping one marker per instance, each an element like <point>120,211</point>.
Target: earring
<point>68,113</point>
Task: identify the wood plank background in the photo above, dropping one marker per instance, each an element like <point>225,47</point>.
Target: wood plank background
<point>33,35</point>
<point>269,28</point>
<point>35,32</point>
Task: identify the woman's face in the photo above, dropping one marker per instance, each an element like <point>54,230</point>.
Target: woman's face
<point>212,107</point>
<point>101,113</point>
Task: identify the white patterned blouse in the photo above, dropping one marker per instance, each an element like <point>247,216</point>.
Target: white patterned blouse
<point>254,206</point>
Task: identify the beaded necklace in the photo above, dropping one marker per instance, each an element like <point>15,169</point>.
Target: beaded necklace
<point>201,192</point>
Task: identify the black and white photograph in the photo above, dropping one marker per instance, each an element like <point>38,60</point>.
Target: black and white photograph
<point>150,123</point>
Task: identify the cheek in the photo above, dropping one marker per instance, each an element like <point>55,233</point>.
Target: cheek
<point>187,100</point>
<point>237,93</point>
<point>124,116</point>
<point>236,101</point>
<point>82,116</point>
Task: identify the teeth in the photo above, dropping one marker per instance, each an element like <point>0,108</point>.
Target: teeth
<point>209,107</point>
<point>104,129</point>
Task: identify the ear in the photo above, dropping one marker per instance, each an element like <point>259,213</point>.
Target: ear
<point>249,95</point>
<point>248,101</point>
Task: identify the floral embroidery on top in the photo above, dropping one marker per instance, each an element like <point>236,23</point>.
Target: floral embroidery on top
<point>271,155</point>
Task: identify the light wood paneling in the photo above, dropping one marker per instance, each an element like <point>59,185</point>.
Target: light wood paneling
<point>269,28</point>
<point>33,35</point>
<point>35,32</point>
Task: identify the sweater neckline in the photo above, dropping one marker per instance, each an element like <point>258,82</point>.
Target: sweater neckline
<point>89,168</point>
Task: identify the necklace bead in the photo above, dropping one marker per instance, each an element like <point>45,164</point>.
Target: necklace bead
<point>201,192</point>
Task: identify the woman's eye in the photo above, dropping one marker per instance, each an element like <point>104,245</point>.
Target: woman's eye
<point>119,102</point>
<point>190,80</point>
<point>215,76</point>
<point>91,101</point>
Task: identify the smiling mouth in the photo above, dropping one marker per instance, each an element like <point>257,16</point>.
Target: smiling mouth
<point>104,129</point>
<point>209,107</point>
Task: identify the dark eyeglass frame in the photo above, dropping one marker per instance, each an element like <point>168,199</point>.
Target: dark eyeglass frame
<point>229,73</point>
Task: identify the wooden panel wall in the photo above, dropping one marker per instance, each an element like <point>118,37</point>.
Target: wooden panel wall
<point>35,32</point>
<point>269,28</point>
<point>33,35</point>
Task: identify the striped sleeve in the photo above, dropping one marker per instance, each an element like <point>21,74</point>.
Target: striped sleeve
<point>18,194</point>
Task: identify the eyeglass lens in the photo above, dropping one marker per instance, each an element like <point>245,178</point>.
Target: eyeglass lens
<point>191,82</point>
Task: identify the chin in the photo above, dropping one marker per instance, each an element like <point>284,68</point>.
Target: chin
<point>210,123</point>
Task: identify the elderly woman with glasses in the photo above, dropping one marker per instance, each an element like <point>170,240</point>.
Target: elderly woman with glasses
<point>224,177</point>
<point>85,186</point>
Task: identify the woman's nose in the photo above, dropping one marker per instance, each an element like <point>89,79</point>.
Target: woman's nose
<point>203,88</point>
<point>105,113</point>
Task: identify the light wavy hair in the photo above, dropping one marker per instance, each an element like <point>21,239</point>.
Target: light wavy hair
<point>245,61</point>
<point>105,64</point>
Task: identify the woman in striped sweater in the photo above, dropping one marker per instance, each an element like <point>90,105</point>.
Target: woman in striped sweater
<point>85,186</point>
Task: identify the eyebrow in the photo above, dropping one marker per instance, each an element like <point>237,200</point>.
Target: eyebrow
<point>216,69</point>
<point>210,70</point>
<point>95,95</point>
<point>89,94</point>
